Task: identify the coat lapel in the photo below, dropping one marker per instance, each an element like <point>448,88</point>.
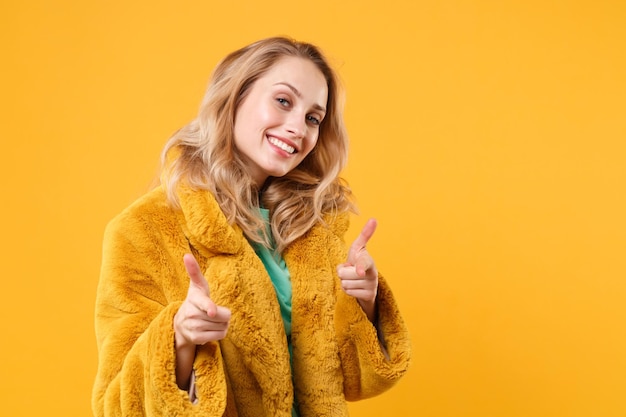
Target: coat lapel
<point>256,343</point>
<point>317,367</point>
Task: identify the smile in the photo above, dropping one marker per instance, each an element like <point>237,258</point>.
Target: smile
<point>282,145</point>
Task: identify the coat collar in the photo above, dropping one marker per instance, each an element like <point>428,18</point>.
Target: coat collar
<point>205,224</point>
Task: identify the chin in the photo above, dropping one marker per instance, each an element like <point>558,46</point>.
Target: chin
<point>278,172</point>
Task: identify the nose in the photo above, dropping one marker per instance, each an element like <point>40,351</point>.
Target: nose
<point>296,124</point>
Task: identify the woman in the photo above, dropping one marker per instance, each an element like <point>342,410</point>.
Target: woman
<point>228,290</point>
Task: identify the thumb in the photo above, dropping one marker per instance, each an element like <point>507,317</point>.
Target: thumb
<point>193,270</point>
<point>362,264</point>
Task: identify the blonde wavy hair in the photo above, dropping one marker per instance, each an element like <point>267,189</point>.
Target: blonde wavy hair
<point>206,157</point>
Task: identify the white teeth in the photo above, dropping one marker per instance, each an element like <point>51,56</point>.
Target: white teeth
<point>282,145</point>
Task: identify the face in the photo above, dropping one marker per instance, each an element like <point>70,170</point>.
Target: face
<point>277,124</point>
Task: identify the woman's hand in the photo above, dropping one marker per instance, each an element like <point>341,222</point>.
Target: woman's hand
<point>359,276</point>
<point>198,321</point>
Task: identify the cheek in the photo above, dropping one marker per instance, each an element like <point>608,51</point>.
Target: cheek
<point>268,115</point>
<point>253,118</point>
<point>312,143</point>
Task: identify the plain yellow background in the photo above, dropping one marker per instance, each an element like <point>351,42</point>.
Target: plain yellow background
<point>487,137</point>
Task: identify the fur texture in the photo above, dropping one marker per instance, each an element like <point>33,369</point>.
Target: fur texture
<point>336,351</point>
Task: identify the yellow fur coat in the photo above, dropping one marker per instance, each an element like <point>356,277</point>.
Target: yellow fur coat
<point>336,353</point>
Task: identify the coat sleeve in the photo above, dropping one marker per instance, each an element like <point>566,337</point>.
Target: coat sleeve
<point>134,330</point>
<point>368,368</point>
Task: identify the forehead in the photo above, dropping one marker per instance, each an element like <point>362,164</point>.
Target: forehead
<point>301,74</point>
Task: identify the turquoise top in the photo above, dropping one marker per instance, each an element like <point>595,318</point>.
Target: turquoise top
<point>279,274</point>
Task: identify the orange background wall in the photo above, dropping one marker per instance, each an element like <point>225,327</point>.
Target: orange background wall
<point>487,138</point>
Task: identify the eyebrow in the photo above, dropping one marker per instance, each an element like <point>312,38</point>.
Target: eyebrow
<point>299,95</point>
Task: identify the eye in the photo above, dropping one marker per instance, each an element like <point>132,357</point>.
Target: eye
<point>283,101</point>
<point>313,120</point>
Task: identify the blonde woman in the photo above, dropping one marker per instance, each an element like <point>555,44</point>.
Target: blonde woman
<point>228,290</point>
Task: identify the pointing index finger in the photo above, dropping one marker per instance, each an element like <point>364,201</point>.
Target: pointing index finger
<point>197,279</point>
<point>194,272</point>
<point>366,234</point>
<point>361,241</point>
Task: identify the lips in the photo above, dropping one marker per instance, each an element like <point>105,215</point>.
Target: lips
<point>282,145</point>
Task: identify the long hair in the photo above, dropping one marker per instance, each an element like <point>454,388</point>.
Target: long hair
<point>206,157</point>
